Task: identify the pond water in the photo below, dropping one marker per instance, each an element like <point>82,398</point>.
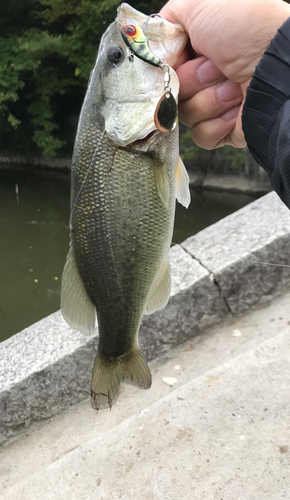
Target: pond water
<point>34,214</point>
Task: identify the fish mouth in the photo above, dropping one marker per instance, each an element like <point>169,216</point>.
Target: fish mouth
<point>145,139</point>
<point>143,144</point>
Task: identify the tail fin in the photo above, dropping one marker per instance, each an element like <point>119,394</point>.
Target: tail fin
<point>108,375</point>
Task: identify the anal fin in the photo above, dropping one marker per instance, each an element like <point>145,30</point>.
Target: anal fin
<point>77,308</point>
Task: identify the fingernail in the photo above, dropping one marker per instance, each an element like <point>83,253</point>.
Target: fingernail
<point>208,72</point>
<point>230,114</point>
<point>228,90</point>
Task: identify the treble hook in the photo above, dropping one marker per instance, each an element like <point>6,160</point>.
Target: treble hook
<point>147,21</point>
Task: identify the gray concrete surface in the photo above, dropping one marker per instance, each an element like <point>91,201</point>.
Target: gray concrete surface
<point>247,252</point>
<point>47,367</point>
<point>221,432</point>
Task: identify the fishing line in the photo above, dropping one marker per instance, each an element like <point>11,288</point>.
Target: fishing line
<point>247,260</point>
<point>265,263</point>
<point>86,176</point>
<point>91,162</point>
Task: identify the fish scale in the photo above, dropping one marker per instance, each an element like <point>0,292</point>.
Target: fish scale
<point>130,223</point>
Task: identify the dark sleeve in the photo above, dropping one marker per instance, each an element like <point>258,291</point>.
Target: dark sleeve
<point>266,113</point>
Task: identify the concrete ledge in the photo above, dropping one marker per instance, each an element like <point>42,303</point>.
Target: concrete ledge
<point>44,369</point>
<point>234,184</point>
<point>226,169</point>
<point>195,304</point>
<point>36,161</point>
<point>47,367</point>
<point>247,252</point>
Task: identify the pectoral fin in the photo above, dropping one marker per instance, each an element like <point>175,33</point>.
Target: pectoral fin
<point>182,191</point>
<point>160,293</point>
<point>162,182</point>
<point>77,308</point>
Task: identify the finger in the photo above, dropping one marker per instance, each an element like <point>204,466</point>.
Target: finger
<point>195,75</point>
<point>168,13</point>
<point>217,132</point>
<point>184,57</point>
<point>210,103</point>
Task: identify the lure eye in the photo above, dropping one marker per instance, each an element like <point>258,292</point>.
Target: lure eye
<point>130,30</point>
<point>115,54</point>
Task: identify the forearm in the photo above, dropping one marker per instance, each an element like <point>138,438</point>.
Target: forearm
<point>266,113</point>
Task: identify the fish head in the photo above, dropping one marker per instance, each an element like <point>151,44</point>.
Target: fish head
<point>129,88</point>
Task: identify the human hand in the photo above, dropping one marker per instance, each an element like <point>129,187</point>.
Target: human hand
<point>229,38</point>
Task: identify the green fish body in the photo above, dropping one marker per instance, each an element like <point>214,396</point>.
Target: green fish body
<point>125,178</point>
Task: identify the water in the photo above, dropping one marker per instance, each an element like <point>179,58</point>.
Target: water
<point>34,236</point>
<point>33,244</point>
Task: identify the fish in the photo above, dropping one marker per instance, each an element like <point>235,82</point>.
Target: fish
<point>126,175</point>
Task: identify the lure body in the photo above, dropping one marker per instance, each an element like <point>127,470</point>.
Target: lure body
<point>137,42</point>
<point>165,116</point>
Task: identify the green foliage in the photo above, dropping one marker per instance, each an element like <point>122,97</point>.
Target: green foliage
<point>47,50</point>
<point>41,115</point>
<point>236,156</point>
<point>188,150</point>
<point>13,121</point>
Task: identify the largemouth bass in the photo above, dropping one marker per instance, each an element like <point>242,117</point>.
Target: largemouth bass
<point>126,175</point>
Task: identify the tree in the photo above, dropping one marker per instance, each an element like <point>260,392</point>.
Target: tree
<point>47,50</point>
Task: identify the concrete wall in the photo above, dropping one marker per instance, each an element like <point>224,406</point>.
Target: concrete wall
<point>226,169</point>
<point>240,262</point>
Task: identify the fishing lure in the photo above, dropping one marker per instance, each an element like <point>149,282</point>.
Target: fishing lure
<point>165,116</point>
<point>136,40</point>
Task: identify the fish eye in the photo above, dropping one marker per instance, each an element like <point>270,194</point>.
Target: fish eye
<point>115,54</point>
